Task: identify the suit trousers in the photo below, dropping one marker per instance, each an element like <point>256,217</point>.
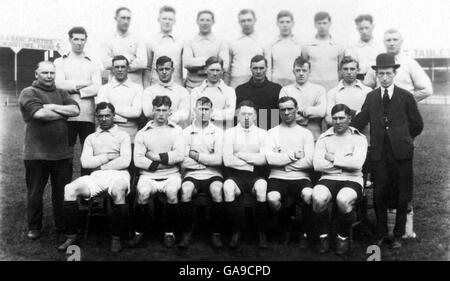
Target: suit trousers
<point>36,176</point>
<point>387,173</point>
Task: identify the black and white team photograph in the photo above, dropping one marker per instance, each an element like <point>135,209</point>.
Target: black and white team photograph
<point>231,131</point>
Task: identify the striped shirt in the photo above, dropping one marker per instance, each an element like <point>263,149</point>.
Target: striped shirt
<point>99,144</point>
<point>208,142</point>
<point>350,152</point>
<point>72,70</point>
<point>280,146</point>
<point>167,141</point>
<point>164,45</point>
<point>127,99</point>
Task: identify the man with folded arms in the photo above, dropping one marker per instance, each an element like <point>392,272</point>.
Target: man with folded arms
<point>202,164</point>
<point>246,163</point>
<point>159,148</point>
<point>340,154</point>
<point>108,152</point>
<point>289,150</point>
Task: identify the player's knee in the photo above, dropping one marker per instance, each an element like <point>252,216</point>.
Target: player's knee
<point>70,192</point>
<point>143,192</point>
<point>320,197</point>
<point>187,188</point>
<point>216,191</point>
<point>273,197</point>
<point>172,193</point>
<point>345,199</point>
<point>261,190</point>
<point>119,189</point>
<point>307,195</point>
<point>229,190</point>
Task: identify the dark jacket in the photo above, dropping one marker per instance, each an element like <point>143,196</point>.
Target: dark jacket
<point>404,123</point>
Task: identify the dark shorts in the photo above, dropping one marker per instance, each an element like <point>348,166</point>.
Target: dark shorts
<point>292,188</point>
<point>335,186</point>
<point>245,180</point>
<point>202,186</point>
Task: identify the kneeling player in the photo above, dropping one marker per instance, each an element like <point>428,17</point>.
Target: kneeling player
<point>340,154</point>
<point>108,152</point>
<point>202,163</point>
<point>158,149</point>
<point>243,155</point>
<point>289,150</point>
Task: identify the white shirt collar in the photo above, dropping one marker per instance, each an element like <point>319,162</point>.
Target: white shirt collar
<point>219,85</point>
<point>390,91</point>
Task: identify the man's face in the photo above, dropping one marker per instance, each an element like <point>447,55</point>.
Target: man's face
<point>246,116</point>
<point>77,42</point>
<point>385,76</point>
<point>45,74</point>
<point>105,118</point>
<point>214,72</point>
<point>203,111</point>
<point>365,29</point>
<point>165,72</point>
<point>301,73</point>
<point>340,122</point>
<point>393,43</point>
<point>120,70</point>
<point>258,70</point>
<point>349,72</point>
<point>285,25</point>
<point>123,20</point>
<point>323,26</point>
<point>247,22</point>
<point>288,112</point>
<point>161,114</point>
<point>167,21</point>
<point>205,23</point>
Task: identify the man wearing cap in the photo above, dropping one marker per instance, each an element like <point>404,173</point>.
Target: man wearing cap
<point>394,121</point>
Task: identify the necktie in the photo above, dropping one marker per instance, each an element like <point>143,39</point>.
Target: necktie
<point>386,101</point>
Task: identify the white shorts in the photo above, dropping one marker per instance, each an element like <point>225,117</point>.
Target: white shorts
<point>102,180</point>
<point>148,185</point>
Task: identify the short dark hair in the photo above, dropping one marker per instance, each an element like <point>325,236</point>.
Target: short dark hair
<point>205,12</point>
<point>300,61</point>
<point>104,105</point>
<point>321,16</point>
<point>286,99</point>
<point>77,30</point>
<point>247,103</point>
<point>166,8</point>
<point>162,100</point>
<point>364,17</point>
<point>342,107</point>
<point>213,60</point>
<point>163,59</point>
<point>258,58</point>
<point>204,100</point>
<point>348,59</point>
<point>121,9</point>
<point>285,13</point>
<point>247,11</point>
<point>120,57</point>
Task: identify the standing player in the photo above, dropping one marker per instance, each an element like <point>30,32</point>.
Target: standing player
<point>289,150</point>
<point>202,163</point>
<point>243,49</point>
<point>125,44</point>
<point>167,87</point>
<point>108,153</point>
<point>282,51</point>
<point>158,150</point>
<point>324,53</point>
<point>246,163</point>
<point>200,48</point>
<point>77,74</point>
<point>165,43</point>
<point>340,154</point>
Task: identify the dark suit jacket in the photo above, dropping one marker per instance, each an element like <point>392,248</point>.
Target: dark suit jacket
<point>403,124</point>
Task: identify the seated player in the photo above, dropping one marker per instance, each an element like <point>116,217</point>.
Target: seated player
<point>246,163</point>
<point>202,164</point>
<point>108,152</point>
<point>340,154</point>
<point>158,150</point>
<point>289,151</point>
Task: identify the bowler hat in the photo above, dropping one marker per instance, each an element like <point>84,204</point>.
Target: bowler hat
<point>385,60</point>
